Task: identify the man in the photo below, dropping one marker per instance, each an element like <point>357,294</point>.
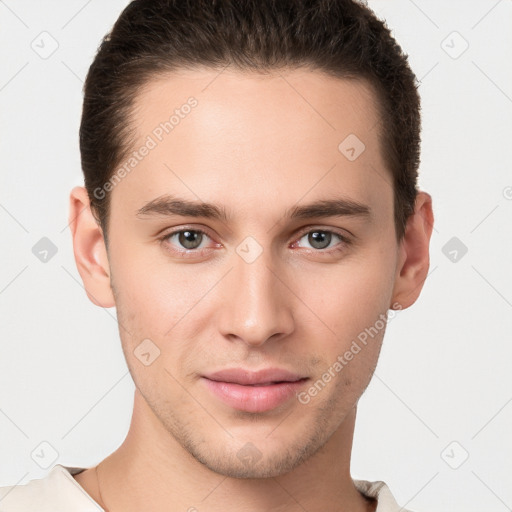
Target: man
<point>250,208</point>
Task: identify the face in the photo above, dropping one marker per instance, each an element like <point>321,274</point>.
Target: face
<point>238,320</point>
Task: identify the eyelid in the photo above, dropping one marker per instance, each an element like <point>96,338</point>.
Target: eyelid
<point>164,233</point>
<point>180,229</point>
<point>344,234</point>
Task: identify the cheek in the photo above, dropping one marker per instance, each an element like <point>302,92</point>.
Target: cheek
<point>353,305</point>
<point>153,289</point>
<point>166,304</point>
<point>350,296</point>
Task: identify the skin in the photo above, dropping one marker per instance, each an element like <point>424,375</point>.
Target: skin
<point>256,145</point>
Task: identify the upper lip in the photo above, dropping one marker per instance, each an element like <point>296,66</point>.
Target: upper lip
<point>248,377</point>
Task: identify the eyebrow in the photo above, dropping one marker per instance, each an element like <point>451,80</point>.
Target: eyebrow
<point>169,205</point>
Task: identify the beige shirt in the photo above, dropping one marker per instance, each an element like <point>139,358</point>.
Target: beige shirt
<point>58,491</point>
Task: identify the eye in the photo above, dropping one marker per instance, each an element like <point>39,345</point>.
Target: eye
<point>186,240</point>
<point>322,239</point>
<point>190,239</point>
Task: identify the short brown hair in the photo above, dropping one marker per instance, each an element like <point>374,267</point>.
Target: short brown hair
<point>343,38</point>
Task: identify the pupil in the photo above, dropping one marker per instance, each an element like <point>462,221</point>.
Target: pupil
<point>320,239</point>
<point>188,239</point>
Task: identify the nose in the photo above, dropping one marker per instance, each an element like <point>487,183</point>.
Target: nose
<point>257,303</point>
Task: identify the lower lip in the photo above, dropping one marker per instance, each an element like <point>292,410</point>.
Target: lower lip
<point>254,398</point>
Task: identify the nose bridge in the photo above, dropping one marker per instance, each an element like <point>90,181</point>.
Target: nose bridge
<point>257,304</point>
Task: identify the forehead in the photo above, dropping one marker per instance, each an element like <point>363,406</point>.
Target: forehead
<point>323,103</point>
<point>227,133</point>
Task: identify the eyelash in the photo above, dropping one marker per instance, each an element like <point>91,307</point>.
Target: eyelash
<point>345,241</point>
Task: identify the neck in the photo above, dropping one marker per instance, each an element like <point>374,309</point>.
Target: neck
<point>151,470</point>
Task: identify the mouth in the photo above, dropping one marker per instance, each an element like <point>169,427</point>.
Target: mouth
<point>254,391</point>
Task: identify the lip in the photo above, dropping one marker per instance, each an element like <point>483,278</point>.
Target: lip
<point>254,391</point>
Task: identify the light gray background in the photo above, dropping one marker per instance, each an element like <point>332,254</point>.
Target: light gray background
<point>442,389</point>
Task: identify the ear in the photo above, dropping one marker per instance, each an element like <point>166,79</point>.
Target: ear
<point>414,259</point>
<point>89,249</point>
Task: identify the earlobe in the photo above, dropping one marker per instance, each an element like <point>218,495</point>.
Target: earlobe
<point>414,259</point>
<point>89,249</point>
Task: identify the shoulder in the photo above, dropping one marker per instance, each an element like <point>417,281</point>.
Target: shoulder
<point>381,492</point>
<point>58,490</point>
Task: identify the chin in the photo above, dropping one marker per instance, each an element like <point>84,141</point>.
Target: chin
<point>248,462</point>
